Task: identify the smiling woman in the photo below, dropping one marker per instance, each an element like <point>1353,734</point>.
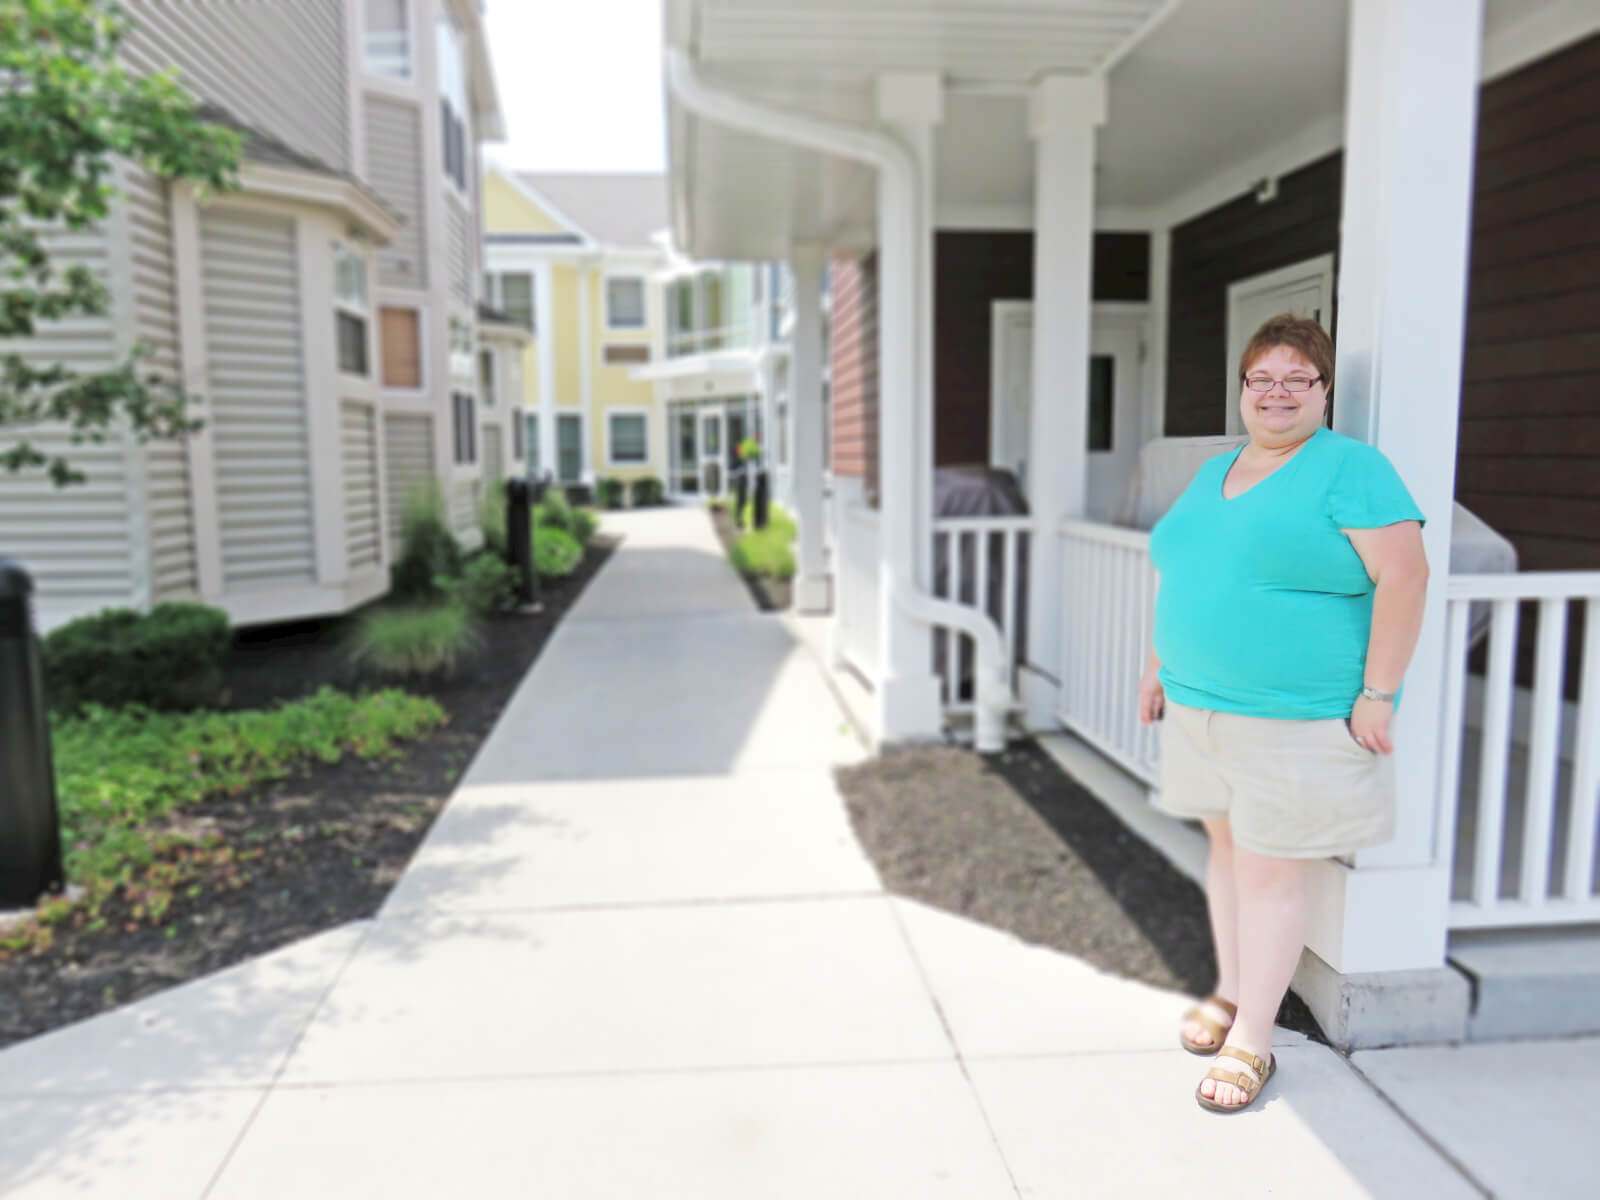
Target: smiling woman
<point>1292,578</point>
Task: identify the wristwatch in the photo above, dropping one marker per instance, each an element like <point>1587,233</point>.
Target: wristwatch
<point>1372,693</point>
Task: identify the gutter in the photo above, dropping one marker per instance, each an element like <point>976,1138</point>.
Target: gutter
<point>900,191</point>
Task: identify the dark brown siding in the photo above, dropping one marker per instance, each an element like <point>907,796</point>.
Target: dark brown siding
<point>971,272</point>
<point>1240,239</point>
<point>1529,461</point>
<point>854,357</point>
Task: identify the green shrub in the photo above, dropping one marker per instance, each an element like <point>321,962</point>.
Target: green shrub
<point>429,556</point>
<point>168,658</point>
<point>610,493</point>
<point>647,492</point>
<point>488,584</point>
<point>422,640</point>
<point>583,526</point>
<point>778,520</point>
<point>492,516</point>
<point>556,553</point>
<point>764,552</point>
<point>553,511</point>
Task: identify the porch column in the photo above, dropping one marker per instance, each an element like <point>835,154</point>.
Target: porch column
<point>911,105</point>
<point>1411,113</point>
<point>544,326</point>
<point>1063,115</point>
<point>812,586</point>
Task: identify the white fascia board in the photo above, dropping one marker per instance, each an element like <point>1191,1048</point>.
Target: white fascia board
<point>539,200</point>
<point>717,363</point>
<point>341,195</point>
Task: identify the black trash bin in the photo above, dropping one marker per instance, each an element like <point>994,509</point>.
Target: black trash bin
<point>30,827</point>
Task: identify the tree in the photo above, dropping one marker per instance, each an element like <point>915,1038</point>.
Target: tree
<point>68,109</point>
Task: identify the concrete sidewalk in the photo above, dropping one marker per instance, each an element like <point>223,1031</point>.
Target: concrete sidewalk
<point>641,955</point>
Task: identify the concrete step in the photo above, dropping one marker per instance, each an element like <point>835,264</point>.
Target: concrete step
<point>1530,983</point>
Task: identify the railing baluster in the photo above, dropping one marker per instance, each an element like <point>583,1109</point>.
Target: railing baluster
<point>1543,746</point>
<point>1582,834</point>
<point>1127,618</point>
<point>1009,588</point>
<point>1495,753</point>
<point>984,539</point>
<point>1458,621</point>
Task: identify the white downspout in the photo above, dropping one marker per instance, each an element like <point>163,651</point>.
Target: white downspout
<point>899,180</point>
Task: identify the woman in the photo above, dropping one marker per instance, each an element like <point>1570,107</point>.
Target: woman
<point>1292,580</point>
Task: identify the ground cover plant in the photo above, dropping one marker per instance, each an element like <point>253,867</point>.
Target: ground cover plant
<point>648,492</point>
<point>170,657</point>
<point>419,641</point>
<point>126,778</point>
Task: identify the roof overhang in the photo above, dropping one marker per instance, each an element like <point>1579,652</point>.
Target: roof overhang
<point>487,117</point>
<point>739,196</point>
<point>337,193</point>
<point>499,331</point>
<point>716,367</point>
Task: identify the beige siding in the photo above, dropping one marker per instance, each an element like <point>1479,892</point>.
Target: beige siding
<point>155,315</point>
<point>461,251</point>
<point>494,452</point>
<point>409,464</point>
<point>394,167</point>
<point>361,484</point>
<point>280,67</point>
<point>464,509</point>
<point>257,398</point>
<point>74,542</point>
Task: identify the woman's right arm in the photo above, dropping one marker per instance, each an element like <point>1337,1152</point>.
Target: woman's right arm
<point>1152,696</point>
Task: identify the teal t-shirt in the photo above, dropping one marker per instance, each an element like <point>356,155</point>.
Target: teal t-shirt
<point>1264,606</point>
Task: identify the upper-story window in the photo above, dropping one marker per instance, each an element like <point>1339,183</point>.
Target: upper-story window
<point>512,293</point>
<point>350,308</point>
<point>463,363</point>
<point>453,102</point>
<point>487,382</point>
<point>625,303</point>
<point>699,315</point>
<point>386,38</point>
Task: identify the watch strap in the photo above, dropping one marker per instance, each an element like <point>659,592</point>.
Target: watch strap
<point>1372,693</point>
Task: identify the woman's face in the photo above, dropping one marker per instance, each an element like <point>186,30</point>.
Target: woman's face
<point>1278,417</point>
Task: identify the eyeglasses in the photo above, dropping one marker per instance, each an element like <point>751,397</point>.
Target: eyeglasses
<point>1294,383</point>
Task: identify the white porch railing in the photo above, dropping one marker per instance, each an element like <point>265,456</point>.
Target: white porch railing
<point>1526,761</point>
<point>979,563</point>
<point>856,628</point>
<point>1108,592</point>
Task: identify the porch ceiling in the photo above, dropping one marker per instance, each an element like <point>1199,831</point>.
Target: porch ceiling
<point>1209,85</point>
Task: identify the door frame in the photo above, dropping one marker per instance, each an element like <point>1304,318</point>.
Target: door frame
<point>713,412</point>
<point>1320,267</point>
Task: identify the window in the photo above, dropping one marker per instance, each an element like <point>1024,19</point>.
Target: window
<point>530,425</point>
<point>628,439</point>
<point>518,453</point>
<point>569,448</point>
<point>400,330</point>
<point>486,378</point>
<point>463,364</point>
<point>350,304</point>
<point>464,427</point>
<point>453,102</point>
<point>1102,390</point>
<point>783,433</point>
<point>512,293</point>
<point>625,303</point>
<point>621,354</point>
<point>386,45</point>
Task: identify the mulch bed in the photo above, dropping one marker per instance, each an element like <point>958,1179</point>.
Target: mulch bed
<point>334,839</point>
<point>1013,841</point>
<point>770,595</point>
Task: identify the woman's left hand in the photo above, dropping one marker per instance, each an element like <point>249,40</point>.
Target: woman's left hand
<point>1369,725</point>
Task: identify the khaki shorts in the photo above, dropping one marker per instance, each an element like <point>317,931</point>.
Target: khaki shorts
<point>1288,789</point>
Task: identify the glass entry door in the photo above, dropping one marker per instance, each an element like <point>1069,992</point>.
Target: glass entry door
<point>712,436</point>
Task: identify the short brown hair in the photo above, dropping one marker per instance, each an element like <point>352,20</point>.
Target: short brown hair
<point>1302,335</point>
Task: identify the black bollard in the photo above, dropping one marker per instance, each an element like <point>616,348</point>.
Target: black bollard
<point>763,500</point>
<point>30,828</point>
<point>519,540</point>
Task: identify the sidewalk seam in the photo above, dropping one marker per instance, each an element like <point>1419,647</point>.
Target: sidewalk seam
<point>1428,1139</point>
<point>955,1048</point>
<point>288,1054</point>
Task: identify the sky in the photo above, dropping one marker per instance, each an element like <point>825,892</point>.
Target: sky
<point>580,84</point>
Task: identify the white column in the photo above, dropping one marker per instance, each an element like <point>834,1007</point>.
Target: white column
<point>1410,127</point>
<point>813,589</point>
<point>545,328</point>
<point>1064,113</point>
<point>591,451</point>
<point>912,106</point>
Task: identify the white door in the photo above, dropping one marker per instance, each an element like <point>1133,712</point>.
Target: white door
<point>1113,418</point>
<point>712,479</point>
<point>1305,289</point>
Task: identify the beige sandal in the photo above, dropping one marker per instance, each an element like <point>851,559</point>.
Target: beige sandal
<point>1216,1029</point>
<point>1247,1083</point>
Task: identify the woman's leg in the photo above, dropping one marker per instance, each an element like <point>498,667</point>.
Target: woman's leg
<point>1271,921</point>
<point>1221,905</point>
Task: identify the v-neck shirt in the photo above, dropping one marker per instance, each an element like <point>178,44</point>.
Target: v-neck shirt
<point>1265,608</point>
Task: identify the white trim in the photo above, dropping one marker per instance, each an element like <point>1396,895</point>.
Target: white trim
<point>608,276</point>
<point>272,605</point>
<point>344,196</point>
<point>628,411</point>
<point>546,361</point>
<point>539,200</point>
<point>141,570</point>
<point>1548,29</point>
<point>1320,265</point>
<point>355,98</point>
<point>586,344</point>
<point>195,371</point>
